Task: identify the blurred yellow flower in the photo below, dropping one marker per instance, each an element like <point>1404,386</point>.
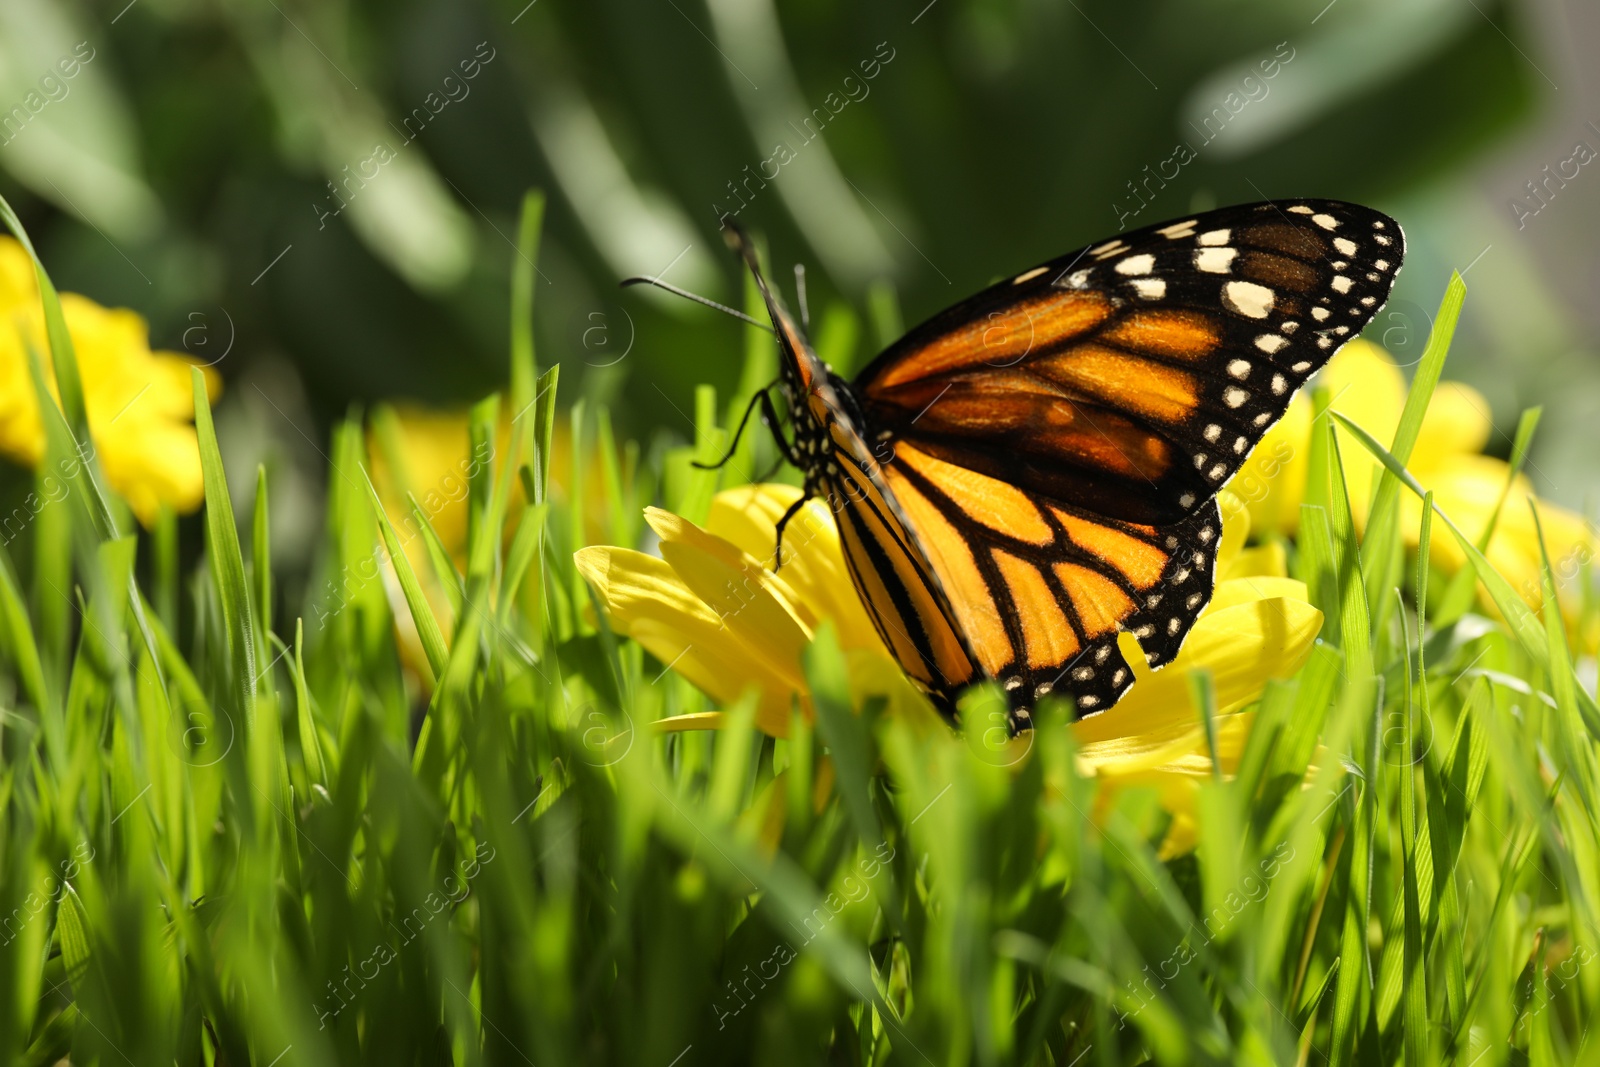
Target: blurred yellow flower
<point>711,607</point>
<point>140,403</point>
<point>1367,387</point>
<point>429,456</point>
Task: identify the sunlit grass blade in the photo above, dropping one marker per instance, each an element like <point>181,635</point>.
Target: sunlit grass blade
<point>432,637</point>
<point>1382,531</point>
<point>1518,615</point>
<point>524,284</point>
<point>1462,590</point>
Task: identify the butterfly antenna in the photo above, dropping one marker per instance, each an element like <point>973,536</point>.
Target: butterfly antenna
<point>800,291</point>
<point>697,298</point>
<point>740,242</point>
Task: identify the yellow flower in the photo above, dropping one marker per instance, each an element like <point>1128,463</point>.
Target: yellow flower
<point>710,606</point>
<point>435,462</point>
<point>1258,626</point>
<point>140,403</point>
<point>1367,388</point>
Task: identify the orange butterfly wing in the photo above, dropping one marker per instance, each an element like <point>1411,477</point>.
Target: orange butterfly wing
<point>1035,469</point>
<point>1134,377</point>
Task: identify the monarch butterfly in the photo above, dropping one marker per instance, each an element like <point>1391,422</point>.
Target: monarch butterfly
<point>1035,469</point>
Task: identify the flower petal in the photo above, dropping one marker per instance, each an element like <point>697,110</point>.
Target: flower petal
<point>1243,646</point>
<point>1270,560</point>
<point>645,599</point>
<point>1235,591</point>
<point>747,597</point>
<point>1235,529</point>
<point>813,563</point>
<point>1457,421</point>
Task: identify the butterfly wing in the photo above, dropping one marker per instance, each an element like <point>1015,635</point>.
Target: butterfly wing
<point>1041,587</point>
<point>1133,377</point>
<point>1034,470</point>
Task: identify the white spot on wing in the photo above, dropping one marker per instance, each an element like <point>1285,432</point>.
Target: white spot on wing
<point>1248,298</point>
<point>1345,245</point>
<point>1271,342</point>
<point>1234,397</point>
<point>1029,276</point>
<point>1341,284</point>
<point>1239,368</point>
<point>1215,260</point>
<point>1327,222</point>
<point>1136,264</point>
<point>1177,229</point>
<point>1150,288</point>
<point>1300,209</point>
<point>1319,314</point>
<point>1215,237</point>
<point>1213,432</point>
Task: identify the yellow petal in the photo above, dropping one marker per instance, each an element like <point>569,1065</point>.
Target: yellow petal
<point>748,599</point>
<point>1243,646</point>
<point>1458,420</point>
<point>1273,479</point>
<point>874,673</point>
<point>1270,560</point>
<point>813,564</point>
<point>1466,488</point>
<point>1234,591</point>
<point>1235,529</point>
<point>646,600</point>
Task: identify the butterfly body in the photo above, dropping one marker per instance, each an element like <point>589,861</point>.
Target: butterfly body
<point>1034,470</point>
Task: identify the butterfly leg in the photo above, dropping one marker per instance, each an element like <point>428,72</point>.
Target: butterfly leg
<point>768,416</point>
<point>794,509</point>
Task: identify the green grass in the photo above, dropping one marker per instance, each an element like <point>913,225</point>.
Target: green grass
<point>236,834</point>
